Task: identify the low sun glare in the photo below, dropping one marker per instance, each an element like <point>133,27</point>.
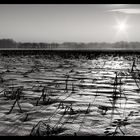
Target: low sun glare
<point>121,28</point>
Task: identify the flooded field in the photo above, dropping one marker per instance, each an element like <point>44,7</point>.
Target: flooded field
<point>51,95</point>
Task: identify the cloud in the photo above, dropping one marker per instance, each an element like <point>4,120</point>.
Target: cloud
<point>126,11</point>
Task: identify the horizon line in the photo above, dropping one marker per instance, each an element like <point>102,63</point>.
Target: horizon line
<point>69,41</point>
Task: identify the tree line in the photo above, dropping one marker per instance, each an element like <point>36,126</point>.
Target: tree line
<point>10,43</point>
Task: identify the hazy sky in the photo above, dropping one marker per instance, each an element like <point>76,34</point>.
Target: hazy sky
<point>70,22</point>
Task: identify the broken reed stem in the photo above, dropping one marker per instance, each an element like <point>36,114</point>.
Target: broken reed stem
<point>43,96</point>
<point>32,130</point>
<point>16,101</point>
<point>118,126</point>
<point>114,96</point>
<point>58,121</point>
<point>1,79</point>
<point>67,108</point>
<point>12,107</point>
<point>103,109</point>
<point>56,111</point>
<point>5,94</point>
<point>133,65</point>
<point>72,88</point>
<point>115,83</point>
<point>61,105</point>
<point>26,118</point>
<point>75,134</point>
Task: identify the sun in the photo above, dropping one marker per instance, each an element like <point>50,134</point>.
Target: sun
<point>122,26</point>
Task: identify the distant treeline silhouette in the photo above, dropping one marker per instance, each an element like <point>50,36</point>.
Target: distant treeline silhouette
<point>122,45</point>
<point>8,43</point>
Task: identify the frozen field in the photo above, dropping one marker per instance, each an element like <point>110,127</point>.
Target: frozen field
<point>45,95</point>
